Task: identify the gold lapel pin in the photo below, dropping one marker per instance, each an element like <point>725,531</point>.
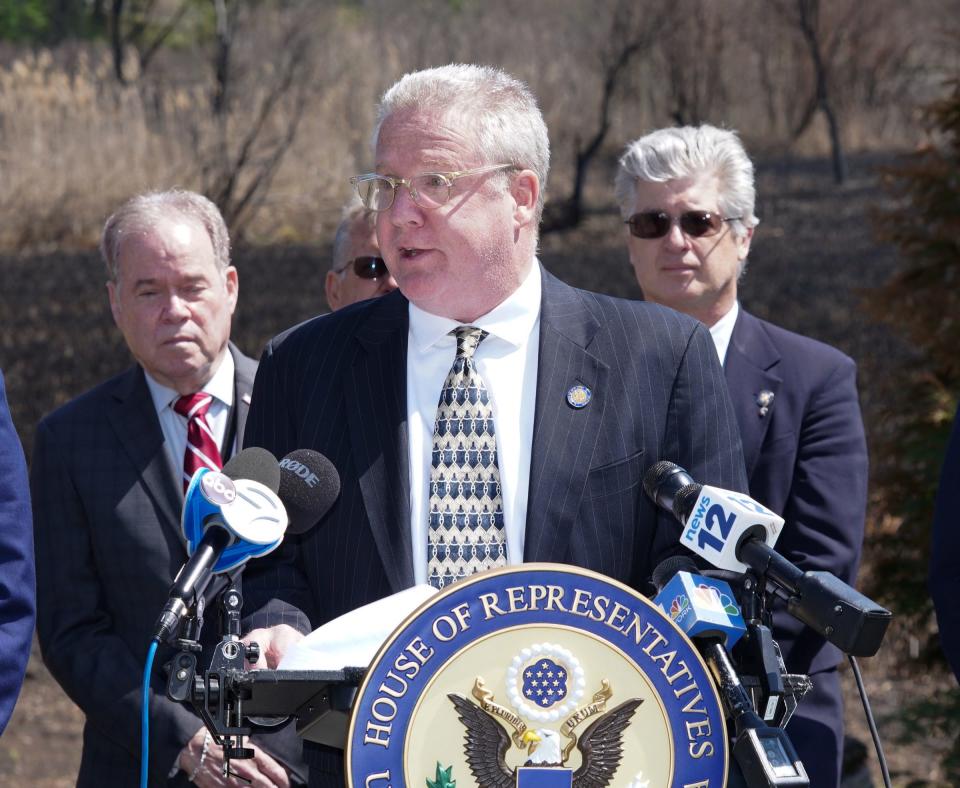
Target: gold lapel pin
<point>579,397</point>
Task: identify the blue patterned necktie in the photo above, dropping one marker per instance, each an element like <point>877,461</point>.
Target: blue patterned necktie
<point>465,533</point>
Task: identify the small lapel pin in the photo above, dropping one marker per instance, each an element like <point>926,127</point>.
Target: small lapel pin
<point>245,398</point>
<point>579,397</point>
<point>764,401</point>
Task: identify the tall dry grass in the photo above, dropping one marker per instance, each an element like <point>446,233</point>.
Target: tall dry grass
<point>74,142</point>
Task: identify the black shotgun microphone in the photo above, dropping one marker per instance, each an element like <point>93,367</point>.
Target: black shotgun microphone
<point>839,613</point>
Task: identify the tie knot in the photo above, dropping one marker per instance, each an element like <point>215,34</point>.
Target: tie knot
<point>468,340</point>
<point>193,405</point>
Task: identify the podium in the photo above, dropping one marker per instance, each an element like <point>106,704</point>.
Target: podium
<point>541,675</point>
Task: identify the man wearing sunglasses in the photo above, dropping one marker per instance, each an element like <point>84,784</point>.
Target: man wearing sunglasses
<point>482,395</point>
<point>358,271</point>
<point>687,198</point>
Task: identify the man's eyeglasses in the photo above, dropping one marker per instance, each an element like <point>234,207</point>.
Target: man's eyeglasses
<point>696,224</point>
<point>428,190</point>
<point>367,267</point>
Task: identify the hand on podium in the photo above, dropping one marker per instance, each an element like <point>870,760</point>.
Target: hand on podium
<point>202,760</point>
<point>274,642</point>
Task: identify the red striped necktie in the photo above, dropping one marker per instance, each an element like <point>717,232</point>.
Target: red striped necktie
<point>201,451</point>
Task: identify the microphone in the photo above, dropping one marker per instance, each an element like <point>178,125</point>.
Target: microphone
<point>705,610</point>
<point>732,530</point>
<point>309,486</point>
<point>243,512</point>
<point>701,606</point>
<point>228,517</point>
<point>244,493</point>
<point>716,521</point>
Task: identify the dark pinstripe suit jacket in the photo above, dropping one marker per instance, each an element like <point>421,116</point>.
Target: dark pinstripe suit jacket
<point>337,384</point>
<point>107,504</point>
<point>806,459</point>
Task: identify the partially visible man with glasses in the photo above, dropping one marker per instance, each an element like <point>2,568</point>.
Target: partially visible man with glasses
<point>357,272</point>
<point>687,198</point>
<point>485,413</point>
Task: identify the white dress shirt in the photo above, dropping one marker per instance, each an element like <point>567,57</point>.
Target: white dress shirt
<point>507,361</point>
<point>722,331</point>
<point>174,426</point>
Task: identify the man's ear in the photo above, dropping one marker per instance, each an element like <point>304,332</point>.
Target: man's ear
<point>331,287</point>
<point>232,284</point>
<point>743,244</point>
<point>114,300</point>
<point>525,189</point>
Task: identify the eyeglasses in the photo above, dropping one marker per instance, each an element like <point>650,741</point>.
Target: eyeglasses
<point>696,224</point>
<point>428,190</point>
<point>367,267</point>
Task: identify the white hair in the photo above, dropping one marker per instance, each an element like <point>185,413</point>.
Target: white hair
<point>501,112</point>
<point>142,212</point>
<point>355,216</point>
<point>687,151</point>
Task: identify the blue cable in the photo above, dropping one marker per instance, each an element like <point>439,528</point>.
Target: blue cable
<point>145,717</point>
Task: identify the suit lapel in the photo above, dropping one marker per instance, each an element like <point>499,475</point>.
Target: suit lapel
<point>750,368</point>
<point>245,370</point>
<point>137,428</point>
<point>376,402</point>
<point>564,437</point>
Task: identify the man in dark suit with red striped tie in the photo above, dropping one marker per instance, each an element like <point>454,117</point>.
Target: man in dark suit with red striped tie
<point>108,477</point>
<point>484,403</point>
<point>687,196</point>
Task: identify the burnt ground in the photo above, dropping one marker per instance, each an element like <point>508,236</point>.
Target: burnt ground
<point>814,257</point>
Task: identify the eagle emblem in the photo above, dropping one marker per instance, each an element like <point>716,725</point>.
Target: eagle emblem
<point>487,741</point>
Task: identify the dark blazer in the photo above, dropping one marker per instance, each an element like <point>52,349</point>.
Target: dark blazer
<point>945,552</point>
<point>107,504</point>
<point>806,459</point>
<point>337,384</point>
<point>17,598</point>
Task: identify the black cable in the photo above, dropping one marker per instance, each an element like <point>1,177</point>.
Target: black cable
<point>885,773</point>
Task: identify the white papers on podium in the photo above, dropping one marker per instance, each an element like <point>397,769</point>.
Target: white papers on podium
<point>352,640</point>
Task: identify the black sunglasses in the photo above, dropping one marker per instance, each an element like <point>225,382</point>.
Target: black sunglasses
<point>367,267</point>
<point>656,224</point>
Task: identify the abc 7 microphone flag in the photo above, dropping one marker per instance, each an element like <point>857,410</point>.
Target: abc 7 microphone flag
<point>251,512</point>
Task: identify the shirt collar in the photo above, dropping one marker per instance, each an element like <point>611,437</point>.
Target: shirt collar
<point>512,320</point>
<point>722,331</point>
<point>220,386</point>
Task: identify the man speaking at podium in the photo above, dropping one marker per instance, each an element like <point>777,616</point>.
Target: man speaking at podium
<point>552,401</point>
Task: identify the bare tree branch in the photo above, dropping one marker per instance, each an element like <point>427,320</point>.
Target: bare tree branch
<point>116,40</point>
<point>809,14</point>
<point>633,39</point>
<point>146,55</point>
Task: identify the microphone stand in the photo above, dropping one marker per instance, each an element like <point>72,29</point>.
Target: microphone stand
<point>220,709</point>
<point>762,751</point>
